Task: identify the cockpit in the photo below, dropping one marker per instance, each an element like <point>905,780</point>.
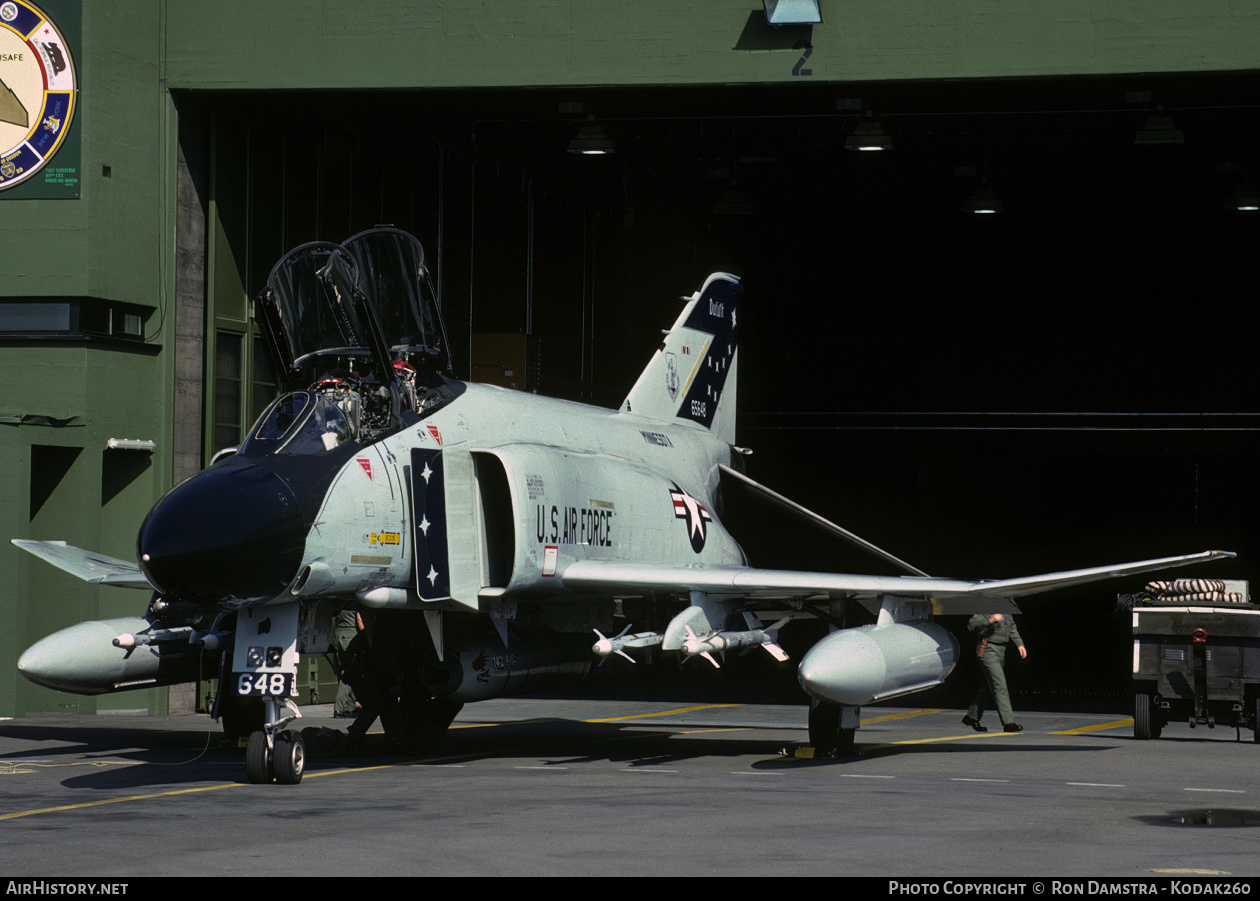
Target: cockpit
<point>357,338</point>
<point>299,423</point>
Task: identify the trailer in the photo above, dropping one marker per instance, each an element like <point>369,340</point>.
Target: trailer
<point>1195,660</point>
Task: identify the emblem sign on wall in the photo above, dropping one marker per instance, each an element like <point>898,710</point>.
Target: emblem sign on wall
<point>38,97</point>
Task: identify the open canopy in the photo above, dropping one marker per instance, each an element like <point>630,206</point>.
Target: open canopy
<point>369,301</point>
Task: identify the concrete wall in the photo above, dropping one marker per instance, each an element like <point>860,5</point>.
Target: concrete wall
<point>62,483</point>
<point>113,243</point>
<point>298,44</point>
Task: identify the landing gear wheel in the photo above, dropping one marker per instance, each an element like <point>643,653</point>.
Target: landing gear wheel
<point>258,760</point>
<point>240,716</point>
<point>1255,722</point>
<point>289,757</point>
<point>428,730</point>
<point>824,729</point>
<point>845,741</point>
<point>1143,717</point>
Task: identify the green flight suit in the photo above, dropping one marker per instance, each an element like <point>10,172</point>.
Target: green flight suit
<point>992,640</point>
<point>344,630</point>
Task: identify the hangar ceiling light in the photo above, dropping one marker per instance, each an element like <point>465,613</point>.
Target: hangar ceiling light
<point>792,12</point>
<point>869,135</point>
<point>1159,130</point>
<point>591,141</point>
<point>982,200</point>
<point>1246,197</point>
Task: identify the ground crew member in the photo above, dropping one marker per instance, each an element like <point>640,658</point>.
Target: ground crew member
<point>345,627</point>
<point>363,670</point>
<point>993,633</point>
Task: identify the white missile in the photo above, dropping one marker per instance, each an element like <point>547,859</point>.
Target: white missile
<point>619,642</point>
<point>705,647</point>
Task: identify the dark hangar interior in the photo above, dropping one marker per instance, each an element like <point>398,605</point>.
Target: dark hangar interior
<point>1061,383</point>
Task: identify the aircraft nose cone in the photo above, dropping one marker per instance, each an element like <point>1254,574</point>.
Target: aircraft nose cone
<point>234,533</point>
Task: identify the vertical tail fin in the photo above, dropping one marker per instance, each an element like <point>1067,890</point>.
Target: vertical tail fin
<point>692,375</point>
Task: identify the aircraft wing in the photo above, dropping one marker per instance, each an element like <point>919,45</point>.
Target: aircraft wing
<point>946,595</point>
<point>87,565</point>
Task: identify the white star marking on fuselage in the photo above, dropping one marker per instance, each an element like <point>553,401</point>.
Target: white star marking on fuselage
<point>693,514</point>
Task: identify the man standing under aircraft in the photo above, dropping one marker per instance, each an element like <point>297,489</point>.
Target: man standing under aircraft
<point>367,668</point>
<point>993,633</point>
<point>345,628</point>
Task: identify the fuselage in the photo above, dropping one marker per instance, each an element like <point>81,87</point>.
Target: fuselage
<point>496,490</point>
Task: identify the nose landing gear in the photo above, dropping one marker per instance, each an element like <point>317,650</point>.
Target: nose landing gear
<point>275,754</point>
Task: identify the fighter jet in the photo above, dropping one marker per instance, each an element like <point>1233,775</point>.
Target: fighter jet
<point>513,526</point>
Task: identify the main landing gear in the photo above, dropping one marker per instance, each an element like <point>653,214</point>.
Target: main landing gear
<point>832,727</point>
<point>275,754</point>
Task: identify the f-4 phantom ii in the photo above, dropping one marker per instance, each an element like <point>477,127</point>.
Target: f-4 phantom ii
<point>511,525</point>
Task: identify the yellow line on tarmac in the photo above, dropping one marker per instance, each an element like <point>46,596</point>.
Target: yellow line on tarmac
<point>643,716</point>
<point>50,766</point>
<point>1098,728</point>
<point>524,722</point>
<point>607,719</point>
<point>902,716</point>
<point>348,770</point>
<point>924,741</point>
<point>182,791</point>
<point>344,770</point>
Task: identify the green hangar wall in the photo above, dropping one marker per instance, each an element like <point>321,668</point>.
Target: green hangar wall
<point>207,139</point>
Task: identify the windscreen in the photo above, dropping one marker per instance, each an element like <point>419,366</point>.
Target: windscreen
<point>300,422</point>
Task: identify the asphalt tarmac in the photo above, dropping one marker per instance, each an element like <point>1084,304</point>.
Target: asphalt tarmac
<point>600,786</point>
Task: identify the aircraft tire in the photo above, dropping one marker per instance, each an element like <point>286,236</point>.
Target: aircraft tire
<point>290,758</point>
<point>1143,729</point>
<point>258,760</point>
<point>1255,723</point>
<point>436,718</point>
<point>824,728</point>
<point>240,716</point>
<point>444,712</point>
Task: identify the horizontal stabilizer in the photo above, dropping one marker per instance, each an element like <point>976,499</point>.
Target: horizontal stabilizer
<point>89,566</point>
